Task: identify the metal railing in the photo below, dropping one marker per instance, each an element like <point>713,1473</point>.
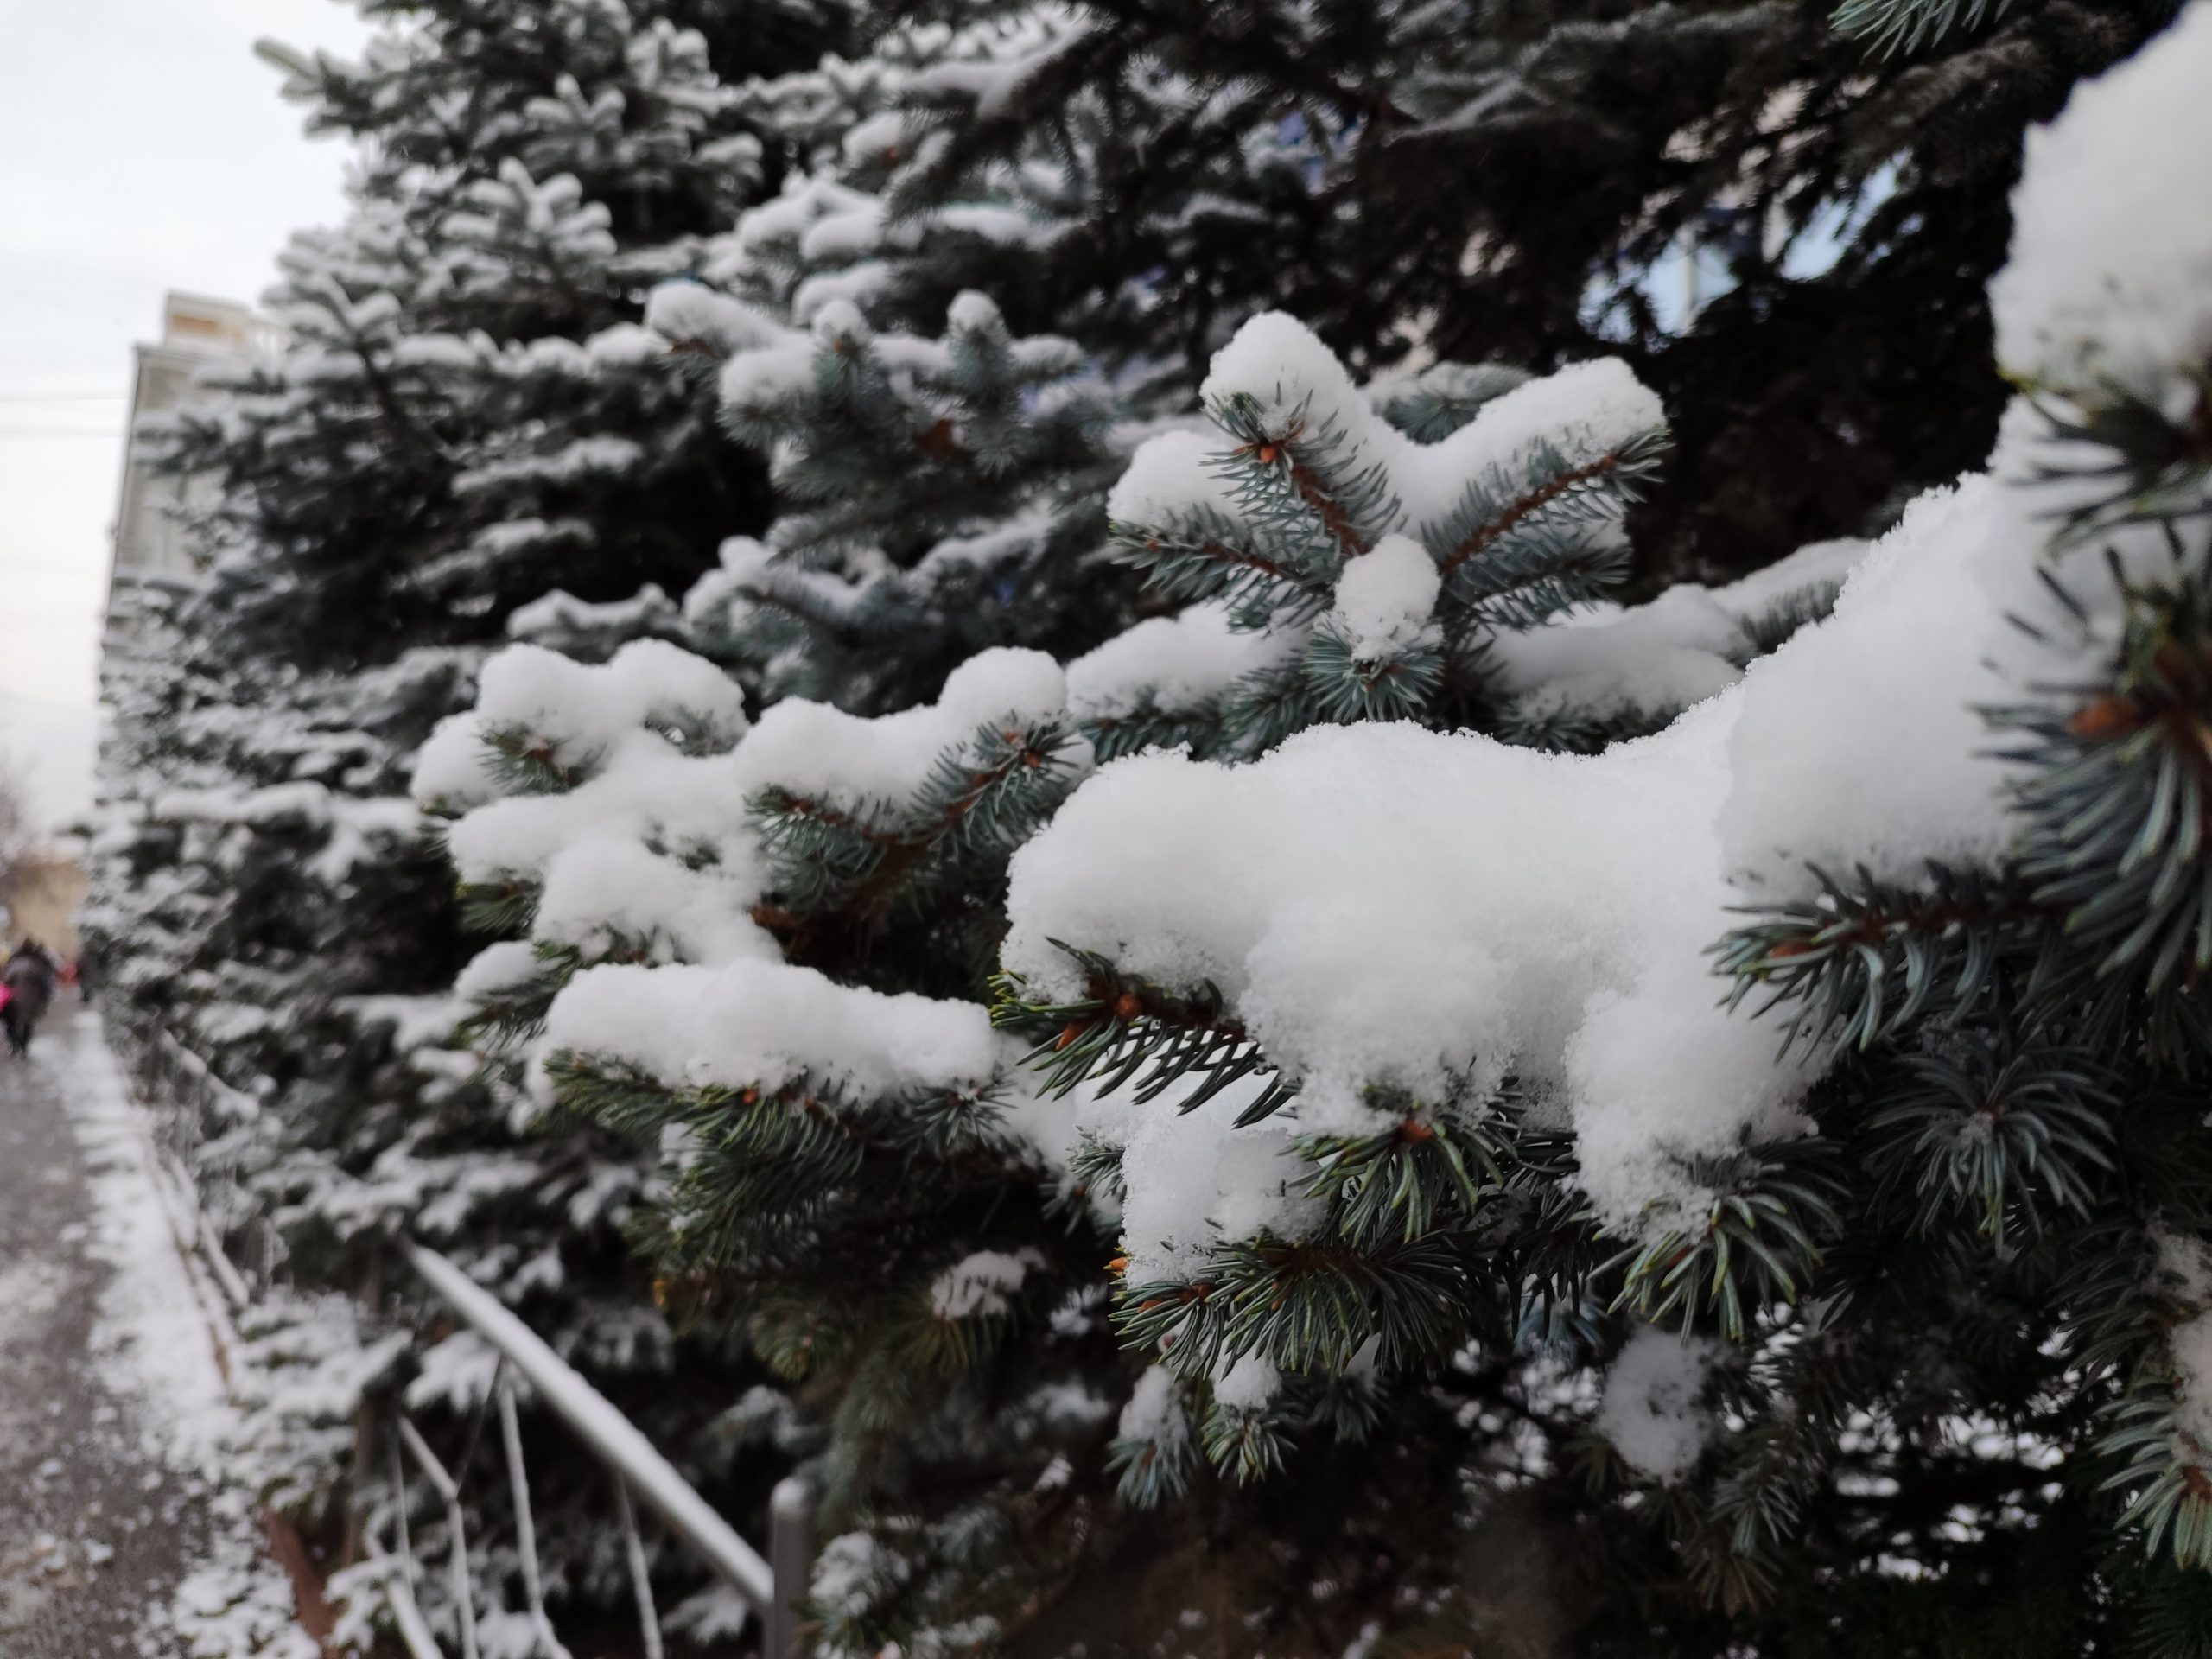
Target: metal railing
<point>771,1588</point>
<point>239,1246</point>
<point>216,1220</point>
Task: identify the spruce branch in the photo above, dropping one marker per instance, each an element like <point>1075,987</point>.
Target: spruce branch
<point>1265,706</point>
<point>1756,1238</point>
<point>1346,687</point>
<point>2154,467</point>
<point>1864,958</point>
<point>2167,1476</point>
<point>776,1154</point>
<point>2117,1310</point>
<point>1523,583</point>
<point>1445,397</point>
<point>1403,1183</point>
<point>1999,1124</point>
<point>1890,27</point>
<point>980,799</point>
<point>1303,480</point>
<point>502,910</point>
<point>504,1019</point>
<point>1770,1475</point>
<point>1147,726</point>
<point>1769,630</point>
<point>1304,1306</point>
<point>2116,806</point>
<point>1095,1168</point>
<point>951,1343</point>
<point>524,762</point>
<point>1122,1025</point>
<point>1248,1444</point>
<point>1561,728</point>
<point>1499,507</point>
<point>1152,1470</point>
<point>1199,553</point>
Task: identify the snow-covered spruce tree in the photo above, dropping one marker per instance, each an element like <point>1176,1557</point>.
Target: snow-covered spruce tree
<point>942,495</point>
<point>1486,1272</point>
<point>1136,181</point>
<point>463,416</point>
<point>942,474</point>
<point>735,934</point>
<point>527,173</point>
<point>1925,1201</point>
<point>1786,228</point>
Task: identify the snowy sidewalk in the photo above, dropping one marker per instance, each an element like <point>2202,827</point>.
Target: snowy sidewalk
<point>111,1402</point>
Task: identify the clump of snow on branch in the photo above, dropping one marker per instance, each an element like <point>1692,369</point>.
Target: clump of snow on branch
<point>983,1282</point>
<point>650,852</point>
<point>1183,661</point>
<point>1153,1412</point>
<point>1383,601</point>
<point>1859,742</point>
<point>1193,1178</point>
<point>1586,411</point>
<point>2112,244</point>
<point>2184,1270</point>
<point>1651,1410</point>
<point>812,749</point>
<point>574,712</point>
<point>1387,905</point>
<point>763,1025</point>
<point>560,615</point>
<point>1686,644</point>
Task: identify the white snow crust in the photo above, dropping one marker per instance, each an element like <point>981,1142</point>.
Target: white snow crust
<point>763,1024</point>
<point>2112,241</point>
<point>1649,1410</point>
<point>1585,411</point>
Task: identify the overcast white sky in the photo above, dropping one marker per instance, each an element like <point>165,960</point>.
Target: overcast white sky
<point>142,148</point>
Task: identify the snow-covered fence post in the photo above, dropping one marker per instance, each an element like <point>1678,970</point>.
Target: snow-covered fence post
<point>641,1585</point>
<point>790,1555</point>
<point>448,1491</point>
<point>533,1581</point>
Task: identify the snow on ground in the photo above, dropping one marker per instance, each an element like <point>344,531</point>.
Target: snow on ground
<point>153,1346</point>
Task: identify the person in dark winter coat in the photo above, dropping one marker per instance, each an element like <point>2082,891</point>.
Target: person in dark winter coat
<point>29,979</point>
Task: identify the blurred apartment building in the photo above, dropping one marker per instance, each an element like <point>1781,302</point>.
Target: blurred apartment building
<point>42,885</point>
<point>40,893</point>
<point>149,548</point>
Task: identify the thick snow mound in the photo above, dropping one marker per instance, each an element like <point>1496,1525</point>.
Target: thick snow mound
<point>575,711</point>
<point>1386,904</point>
<point>1583,412</point>
<point>1859,742</point>
<point>2112,241</point>
<point>763,1025</point>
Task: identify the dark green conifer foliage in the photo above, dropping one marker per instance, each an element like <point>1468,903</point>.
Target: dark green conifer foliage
<point>463,417</point>
<point>1502,185</point>
<point>1951,1411</point>
<point>1940,1422</point>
